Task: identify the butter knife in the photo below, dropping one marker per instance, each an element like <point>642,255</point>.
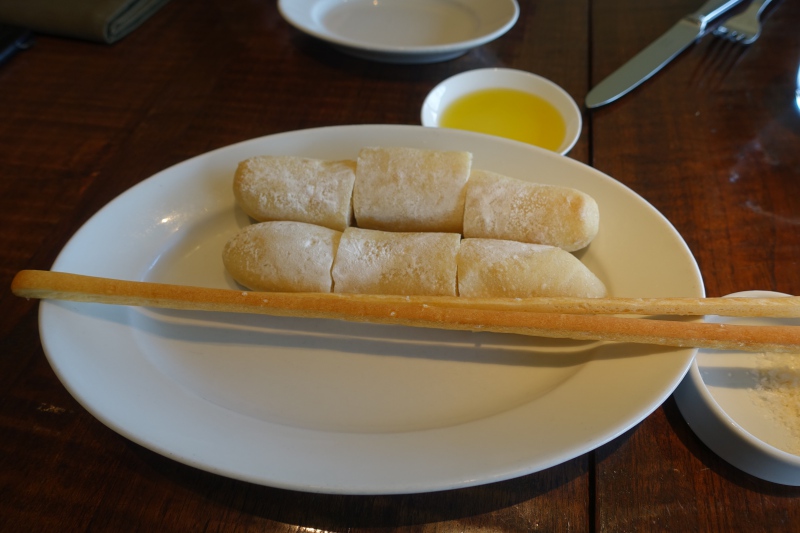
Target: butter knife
<point>656,55</point>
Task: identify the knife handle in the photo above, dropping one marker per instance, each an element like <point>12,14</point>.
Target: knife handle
<point>711,10</point>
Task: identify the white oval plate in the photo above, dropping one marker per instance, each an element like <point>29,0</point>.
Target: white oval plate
<point>719,398</point>
<point>402,31</point>
<point>339,407</point>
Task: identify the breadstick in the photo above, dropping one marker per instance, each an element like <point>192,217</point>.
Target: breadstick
<point>494,268</point>
<point>408,312</point>
<point>296,189</point>
<point>776,307</point>
<point>405,263</point>
<point>30,282</point>
<point>282,256</point>
<point>409,189</point>
<point>499,207</point>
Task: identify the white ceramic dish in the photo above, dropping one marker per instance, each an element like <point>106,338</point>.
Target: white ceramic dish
<point>453,88</point>
<point>338,407</point>
<point>720,400</point>
<point>402,31</point>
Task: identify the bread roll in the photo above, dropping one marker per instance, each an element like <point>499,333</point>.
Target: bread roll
<point>296,189</point>
<point>379,262</point>
<point>489,268</point>
<point>408,189</point>
<point>282,257</point>
<point>499,207</point>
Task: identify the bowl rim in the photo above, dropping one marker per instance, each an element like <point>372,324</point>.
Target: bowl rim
<point>497,77</point>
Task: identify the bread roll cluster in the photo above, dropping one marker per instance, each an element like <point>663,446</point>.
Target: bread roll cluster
<point>409,222</point>
<point>286,256</point>
<point>409,189</point>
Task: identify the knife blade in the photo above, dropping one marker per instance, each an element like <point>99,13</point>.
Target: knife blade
<point>653,58</point>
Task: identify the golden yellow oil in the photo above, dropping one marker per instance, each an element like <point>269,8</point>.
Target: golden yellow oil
<point>508,113</point>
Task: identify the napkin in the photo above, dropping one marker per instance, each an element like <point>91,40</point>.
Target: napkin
<point>94,20</point>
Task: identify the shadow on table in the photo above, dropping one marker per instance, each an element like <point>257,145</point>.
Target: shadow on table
<point>340,512</point>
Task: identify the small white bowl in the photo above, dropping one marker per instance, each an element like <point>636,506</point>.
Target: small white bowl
<point>719,400</point>
<point>444,94</point>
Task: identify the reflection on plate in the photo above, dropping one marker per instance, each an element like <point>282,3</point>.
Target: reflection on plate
<point>402,31</point>
<point>337,407</point>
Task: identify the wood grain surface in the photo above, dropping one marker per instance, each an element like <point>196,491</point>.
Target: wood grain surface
<point>713,142</point>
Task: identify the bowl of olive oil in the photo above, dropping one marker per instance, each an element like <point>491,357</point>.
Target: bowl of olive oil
<point>506,103</point>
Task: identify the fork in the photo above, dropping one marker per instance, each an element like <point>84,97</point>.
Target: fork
<point>745,27</point>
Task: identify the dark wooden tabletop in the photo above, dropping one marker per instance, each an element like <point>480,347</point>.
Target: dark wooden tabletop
<point>712,141</point>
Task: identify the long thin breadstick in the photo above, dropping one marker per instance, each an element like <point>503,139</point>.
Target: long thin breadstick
<point>31,281</point>
<point>537,317</point>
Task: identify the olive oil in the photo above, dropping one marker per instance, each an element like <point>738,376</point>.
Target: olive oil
<point>508,113</point>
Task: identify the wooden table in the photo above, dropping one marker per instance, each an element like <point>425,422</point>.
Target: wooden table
<point>713,142</point>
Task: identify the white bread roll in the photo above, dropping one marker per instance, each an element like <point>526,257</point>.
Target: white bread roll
<point>489,268</point>
<point>379,262</point>
<point>499,207</point>
<point>409,189</point>
<point>296,189</point>
<point>282,257</point>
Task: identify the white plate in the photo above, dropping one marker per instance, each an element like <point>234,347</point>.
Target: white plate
<point>337,407</point>
<point>723,402</point>
<point>402,31</point>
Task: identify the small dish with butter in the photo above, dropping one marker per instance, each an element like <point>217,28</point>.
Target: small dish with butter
<point>506,103</point>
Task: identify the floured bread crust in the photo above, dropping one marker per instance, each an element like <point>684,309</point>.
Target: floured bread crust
<point>409,189</point>
<point>282,257</point>
<point>489,268</point>
<point>378,262</point>
<point>499,207</point>
<point>296,189</point>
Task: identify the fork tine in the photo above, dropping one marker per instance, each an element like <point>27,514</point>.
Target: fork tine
<point>751,39</point>
<point>745,27</point>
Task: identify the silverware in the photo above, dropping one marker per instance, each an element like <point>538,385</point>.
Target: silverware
<point>745,27</point>
<point>656,55</point>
